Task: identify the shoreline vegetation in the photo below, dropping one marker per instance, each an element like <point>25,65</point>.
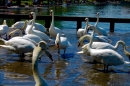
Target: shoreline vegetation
<point>45,4</point>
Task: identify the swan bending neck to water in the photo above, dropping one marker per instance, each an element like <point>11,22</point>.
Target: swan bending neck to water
<point>36,53</point>
<point>95,39</point>
<point>108,57</point>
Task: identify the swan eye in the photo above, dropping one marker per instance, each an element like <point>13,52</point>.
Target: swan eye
<point>31,16</point>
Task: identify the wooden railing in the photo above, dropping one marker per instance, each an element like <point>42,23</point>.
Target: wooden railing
<point>79,20</point>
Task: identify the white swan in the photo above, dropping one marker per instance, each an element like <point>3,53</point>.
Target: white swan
<point>19,24</point>
<point>36,53</point>
<point>108,57</point>
<point>33,37</point>
<point>18,46</point>
<point>95,39</point>
<point>99,30</point>
<point>61,42</point>
<point>30,30</point>
<point>37,26</point>
<point>83,31</point>
<point>4,29</point>
<point>53,30</point>
<point>102,45</point>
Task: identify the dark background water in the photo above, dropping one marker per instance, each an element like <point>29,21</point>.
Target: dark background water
<point>72,69</point>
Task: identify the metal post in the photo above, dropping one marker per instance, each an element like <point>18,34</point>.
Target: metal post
<point>112,25</point>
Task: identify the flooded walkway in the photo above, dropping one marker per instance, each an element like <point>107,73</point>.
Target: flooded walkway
<point>71,69</point>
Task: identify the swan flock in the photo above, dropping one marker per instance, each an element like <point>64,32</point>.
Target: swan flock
<point>35,41</point>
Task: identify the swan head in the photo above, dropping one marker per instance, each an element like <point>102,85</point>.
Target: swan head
<point>13,33</point>
<point>86,19</point>
<point>32,15</point>
<point>81,39</point>
<point>43,45</point>
<point>4,22</point>
<point>51,11</point>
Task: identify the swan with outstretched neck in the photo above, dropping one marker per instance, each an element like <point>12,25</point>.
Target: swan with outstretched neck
<point>30,30</point>
<point>53,30</point>
<point>36,53</point>
<point>83,31</point>
<point>108,57</point>
<point>99,30</point>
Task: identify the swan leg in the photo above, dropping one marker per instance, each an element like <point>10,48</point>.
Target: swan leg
<point>105,66</point>
<point>22,55</point>
<point>64,51</point>
<point>107,69</point>
<point>58,51</point>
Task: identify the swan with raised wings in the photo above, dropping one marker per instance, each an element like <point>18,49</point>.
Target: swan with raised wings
<point>36,53</point>
<point>53,30</point>
<point>61,42</point>
<point>18,45</point>
<point>108,57</point>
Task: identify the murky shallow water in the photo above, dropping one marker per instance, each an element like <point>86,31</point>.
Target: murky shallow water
<point>71,69</point>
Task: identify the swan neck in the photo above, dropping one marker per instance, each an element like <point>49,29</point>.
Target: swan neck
<point>91,38</point>
<point>25,25</point>
<point>13,32</point>
<point>38,79</point>
<point>97,20</point>
<point>86,27</point>
<point>52,23</point>
<point>117,45</point>
<point>30,29</point>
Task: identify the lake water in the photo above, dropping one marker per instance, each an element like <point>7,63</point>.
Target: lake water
<point>106,11</point>
<point>71,69</point>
